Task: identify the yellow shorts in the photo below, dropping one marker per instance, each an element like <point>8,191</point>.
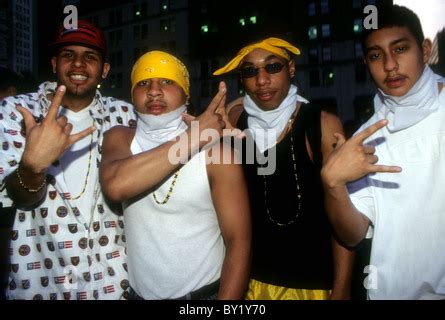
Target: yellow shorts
<point>262,291</point>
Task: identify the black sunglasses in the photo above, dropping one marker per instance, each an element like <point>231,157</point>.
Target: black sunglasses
<point>271,68</point>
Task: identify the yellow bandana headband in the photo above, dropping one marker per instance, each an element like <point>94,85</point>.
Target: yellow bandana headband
<point>158,64</point>
<point>274,45</point>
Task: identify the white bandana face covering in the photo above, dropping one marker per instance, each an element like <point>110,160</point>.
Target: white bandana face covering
<point>416,105</point>
<point>267,126</point>
<point>152,131</point>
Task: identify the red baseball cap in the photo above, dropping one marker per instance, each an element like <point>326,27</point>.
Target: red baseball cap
<point>86,34</point>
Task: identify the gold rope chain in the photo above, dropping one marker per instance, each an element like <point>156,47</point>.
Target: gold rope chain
<point>88,172</point>
<point>297,189</point>
<point>170,190</point>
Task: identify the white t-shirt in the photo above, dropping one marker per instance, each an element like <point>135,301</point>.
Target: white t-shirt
<point>79,160</point>
<point>407,210</point>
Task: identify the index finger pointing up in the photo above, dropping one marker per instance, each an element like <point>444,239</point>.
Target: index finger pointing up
<point>56,102</point>
<point>216,101</point>
<point>362,136</point>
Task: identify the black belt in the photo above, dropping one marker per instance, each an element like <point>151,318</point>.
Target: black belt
<point>201,293</point>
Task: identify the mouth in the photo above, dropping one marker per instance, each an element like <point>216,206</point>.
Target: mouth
<point>155,107</point>
<point>395,82</point>
<point>77,77</point>
<point>265,96</point>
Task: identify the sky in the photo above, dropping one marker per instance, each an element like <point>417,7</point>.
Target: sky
<point>431,14</point>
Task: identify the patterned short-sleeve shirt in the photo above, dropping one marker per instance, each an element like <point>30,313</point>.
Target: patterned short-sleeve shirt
<point>56,251</point>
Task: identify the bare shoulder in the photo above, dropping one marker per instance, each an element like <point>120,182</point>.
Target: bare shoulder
<point>330,123</point>
<point>119,134</point>
<point>222,160</point>
<point>234,110</point>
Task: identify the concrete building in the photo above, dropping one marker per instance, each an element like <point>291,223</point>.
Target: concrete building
<point>18,35</point>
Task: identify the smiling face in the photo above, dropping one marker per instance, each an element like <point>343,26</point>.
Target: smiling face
<point>157,96</point>
<point>80,69</point>
<point>267,90</point>
<point>395,60</point>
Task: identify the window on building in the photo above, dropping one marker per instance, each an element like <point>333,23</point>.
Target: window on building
<point>326,30</point>
<point>311,9</point>
<point>144,31</point>
<point>312,33</point>
<point>327,53</point>
<point>205,28</point>
<point>314,78</point>
<point>252,19</point>
<point>313,55</point>
<point>242,22</point>
<point>324,6</point>
<point>358,50</point>
<point>169,46</point>
<point>168,25</point>
<point>140,10</point>
<point>165,6</point>
<point>328,77</point>
<point>358,26</point>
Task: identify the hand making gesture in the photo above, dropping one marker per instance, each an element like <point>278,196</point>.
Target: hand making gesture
<point>215,117</point>
<point>352,159</point>
<point>47,141</point>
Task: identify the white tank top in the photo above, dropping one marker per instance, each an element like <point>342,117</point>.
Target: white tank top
<point>176,247</point>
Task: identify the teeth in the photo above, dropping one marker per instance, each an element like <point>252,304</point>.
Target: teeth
<point>78,77</point>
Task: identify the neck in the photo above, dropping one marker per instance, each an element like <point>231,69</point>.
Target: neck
<point>74,103</point>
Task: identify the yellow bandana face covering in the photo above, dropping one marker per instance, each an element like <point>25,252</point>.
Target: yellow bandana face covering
<point>158,64</point>
<point>275,45</point>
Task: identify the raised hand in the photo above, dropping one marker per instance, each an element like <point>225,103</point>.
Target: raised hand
<point>215,117</point>
<point>46,142</point>
<point>352,160</point>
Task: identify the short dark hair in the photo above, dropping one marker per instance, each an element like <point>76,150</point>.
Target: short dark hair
<point>396,16</point>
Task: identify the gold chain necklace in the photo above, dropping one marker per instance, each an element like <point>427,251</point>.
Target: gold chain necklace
<point>88,171</point>
<point>170,190</point>
<point>297,189</point>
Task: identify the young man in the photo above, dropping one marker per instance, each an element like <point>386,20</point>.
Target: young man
<point>399,204</point>
<point>294,255</point>
<point>188,237</point>
<point>66,241</point>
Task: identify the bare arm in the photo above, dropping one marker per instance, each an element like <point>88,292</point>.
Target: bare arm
<point>343,265</point>
<point>230,199</point>
<point>45,143</point>
<point>350,160</point>
<point>124,175</point>
<point>343,258</point>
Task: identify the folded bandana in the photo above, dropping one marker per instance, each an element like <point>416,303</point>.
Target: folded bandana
<point>274,45</point>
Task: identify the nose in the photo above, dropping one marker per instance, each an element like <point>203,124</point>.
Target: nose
<point>78,60</point>
<point>154,89</point>
<point>391,63</point>
<point>262,78</point>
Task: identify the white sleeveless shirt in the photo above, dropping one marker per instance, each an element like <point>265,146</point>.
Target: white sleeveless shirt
<point>176,247</point>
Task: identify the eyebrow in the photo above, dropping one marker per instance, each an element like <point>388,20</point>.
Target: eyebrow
<point>268,58</point>
<point>85,52</point>
<point>392,43</point>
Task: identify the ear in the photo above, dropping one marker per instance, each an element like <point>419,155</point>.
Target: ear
<point>291,65</point>
<point>106,70</point>
<point>426,50</point>
<point>54,63</point>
